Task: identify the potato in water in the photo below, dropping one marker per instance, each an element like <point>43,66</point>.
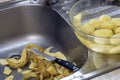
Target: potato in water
<point>103,34</point>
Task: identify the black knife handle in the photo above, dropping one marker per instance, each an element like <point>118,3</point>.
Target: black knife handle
<point>67,64</point>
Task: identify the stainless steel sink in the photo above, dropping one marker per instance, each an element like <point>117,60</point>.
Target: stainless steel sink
<point>24,23</point>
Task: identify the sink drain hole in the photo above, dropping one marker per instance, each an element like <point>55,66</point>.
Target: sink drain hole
<point>14,55</point>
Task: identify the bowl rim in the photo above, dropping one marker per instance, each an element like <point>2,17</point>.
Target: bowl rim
<point>75,29</point>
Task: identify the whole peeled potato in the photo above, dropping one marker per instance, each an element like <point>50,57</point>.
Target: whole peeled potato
<point>115,39</point>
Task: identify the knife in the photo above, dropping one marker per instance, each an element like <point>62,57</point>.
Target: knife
<point>61,62</point>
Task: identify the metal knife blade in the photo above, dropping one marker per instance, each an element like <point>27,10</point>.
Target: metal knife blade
<point>47,57</point>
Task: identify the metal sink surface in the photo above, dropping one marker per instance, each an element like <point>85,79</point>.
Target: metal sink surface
<point>25,23</point>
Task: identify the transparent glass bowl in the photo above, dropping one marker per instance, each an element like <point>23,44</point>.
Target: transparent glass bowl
<point>85,10</point>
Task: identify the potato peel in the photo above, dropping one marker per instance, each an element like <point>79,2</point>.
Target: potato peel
<point>29,75</point>
<point>57,54</point>
<point>39,68</point>
<point>21,62</point>
<point>26,71</point>
<point>11,77</point>
<point>3,62</point>
<point>19,70</point>
<point>7,70</point>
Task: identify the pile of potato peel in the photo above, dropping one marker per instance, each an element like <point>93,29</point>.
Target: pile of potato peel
<point>38,69</point>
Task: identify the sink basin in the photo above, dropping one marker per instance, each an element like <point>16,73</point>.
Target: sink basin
<point>21,24</point>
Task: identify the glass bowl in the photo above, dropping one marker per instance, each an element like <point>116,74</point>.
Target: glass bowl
<point>84,11</point>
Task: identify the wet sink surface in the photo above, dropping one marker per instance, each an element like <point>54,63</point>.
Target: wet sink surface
<point>20,25</point>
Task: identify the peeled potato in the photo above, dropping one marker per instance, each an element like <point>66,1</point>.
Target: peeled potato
<point>115,50</point>
<point>103,33</point>
<point>88,28</point>
<point>105,18</point>
<point>115,39</point>
<point>95,23</point>
<point>101,48</point>
<point>113,59</point>
<point>100,60</point>
<point>77,20</point>
<point>84,41</point>
<point>117,30</point>
<point>105,29</point>
<point>102,40</point>
<point>107,25</point>
<point>116,21</point>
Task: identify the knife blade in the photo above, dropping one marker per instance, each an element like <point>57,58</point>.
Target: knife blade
<point>61,62</point>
